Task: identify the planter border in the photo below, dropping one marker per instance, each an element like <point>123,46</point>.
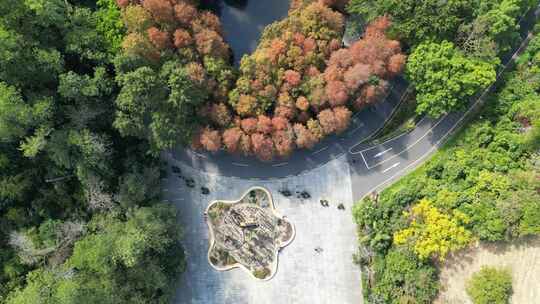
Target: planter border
<point>274,265</point>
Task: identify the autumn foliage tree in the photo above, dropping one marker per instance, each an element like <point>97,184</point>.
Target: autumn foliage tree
<point>304,137</point>
<point>299,85</point>
<point>166,35</point>
<point>211,140</point>
<point>361,71</point>
<point>166,23</point>
<point>263,146</point>
<point>231,139</point>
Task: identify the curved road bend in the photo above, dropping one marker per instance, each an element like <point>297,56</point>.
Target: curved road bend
<point>371,166</point>
<point>364,124</point>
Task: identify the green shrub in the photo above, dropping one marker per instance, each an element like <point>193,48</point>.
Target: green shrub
<point>490,286</point>
<point>400,277</point>
<point>261,273</point>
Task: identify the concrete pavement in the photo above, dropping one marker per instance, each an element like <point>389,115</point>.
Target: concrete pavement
<point>303,276</point>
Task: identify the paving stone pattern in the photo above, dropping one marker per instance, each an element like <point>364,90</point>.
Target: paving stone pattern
<point>316,268</point>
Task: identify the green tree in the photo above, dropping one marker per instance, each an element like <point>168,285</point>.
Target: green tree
<point>87,99</point>
<point>119,261</point>
<point>160,107</point>
<point>109,24</point>
<point>83,40</point>
<point>444,78</point>
<point>402,278</point>
<point>490,286</point>
<point>494,30</point>
<point>17,116</point>
<point>415,21</point>
<point>138,185</point>
<point>62,162</point>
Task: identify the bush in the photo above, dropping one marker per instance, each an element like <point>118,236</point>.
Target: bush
<point>490,286</point>
<point>402,278</point>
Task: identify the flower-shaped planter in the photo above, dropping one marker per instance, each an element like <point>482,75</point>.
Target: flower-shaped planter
<point>247,233</point>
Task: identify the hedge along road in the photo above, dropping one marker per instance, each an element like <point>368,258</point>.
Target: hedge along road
<point>371,166</point>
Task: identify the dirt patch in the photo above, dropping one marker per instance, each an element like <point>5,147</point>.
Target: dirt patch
<point>522,257</point>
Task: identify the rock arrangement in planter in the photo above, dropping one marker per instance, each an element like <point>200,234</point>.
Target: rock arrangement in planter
<point>247,233</point>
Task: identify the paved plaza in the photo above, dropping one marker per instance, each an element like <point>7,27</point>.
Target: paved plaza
<point>305,275</point>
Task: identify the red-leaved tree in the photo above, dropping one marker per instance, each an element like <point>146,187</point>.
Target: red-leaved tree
<point>211,140</point>
<point>262,146</point>
<point>231,139</point>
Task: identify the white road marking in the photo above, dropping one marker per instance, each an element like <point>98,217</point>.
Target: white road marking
<point>178,199</point>
<point>199,154</point>
<point>409,146</point>
<point>398,136</point>
<point>391,167</point>
<point>430,131</point>
<point>470,109</point>
<point>280,165</point>
<point>320,150</point>
<point>375,132</point>
<point>240,165</point>
<point>365,162</point>
<point>381,153</point>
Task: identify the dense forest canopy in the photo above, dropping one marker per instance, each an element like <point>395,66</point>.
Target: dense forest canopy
<point>92,91</point>
<point>80,216</point>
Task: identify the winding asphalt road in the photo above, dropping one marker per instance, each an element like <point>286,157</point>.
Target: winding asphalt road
<point>371,166</point>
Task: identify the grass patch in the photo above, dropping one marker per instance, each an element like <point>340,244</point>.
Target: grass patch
<point>403,121</point>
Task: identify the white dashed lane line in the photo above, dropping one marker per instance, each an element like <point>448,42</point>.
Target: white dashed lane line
<point>406,148</point>
<point>390,168</point>
<point>199,154</point>
<point>320,150</point>
<point>381,153</point>
<point>240,165</point>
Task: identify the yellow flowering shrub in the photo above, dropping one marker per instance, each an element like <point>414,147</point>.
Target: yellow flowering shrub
<point>432,233</point>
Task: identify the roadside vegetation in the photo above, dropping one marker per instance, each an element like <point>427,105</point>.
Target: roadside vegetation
<point>482,185</point>
<point>402,121</point>
<point>451,58</point>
